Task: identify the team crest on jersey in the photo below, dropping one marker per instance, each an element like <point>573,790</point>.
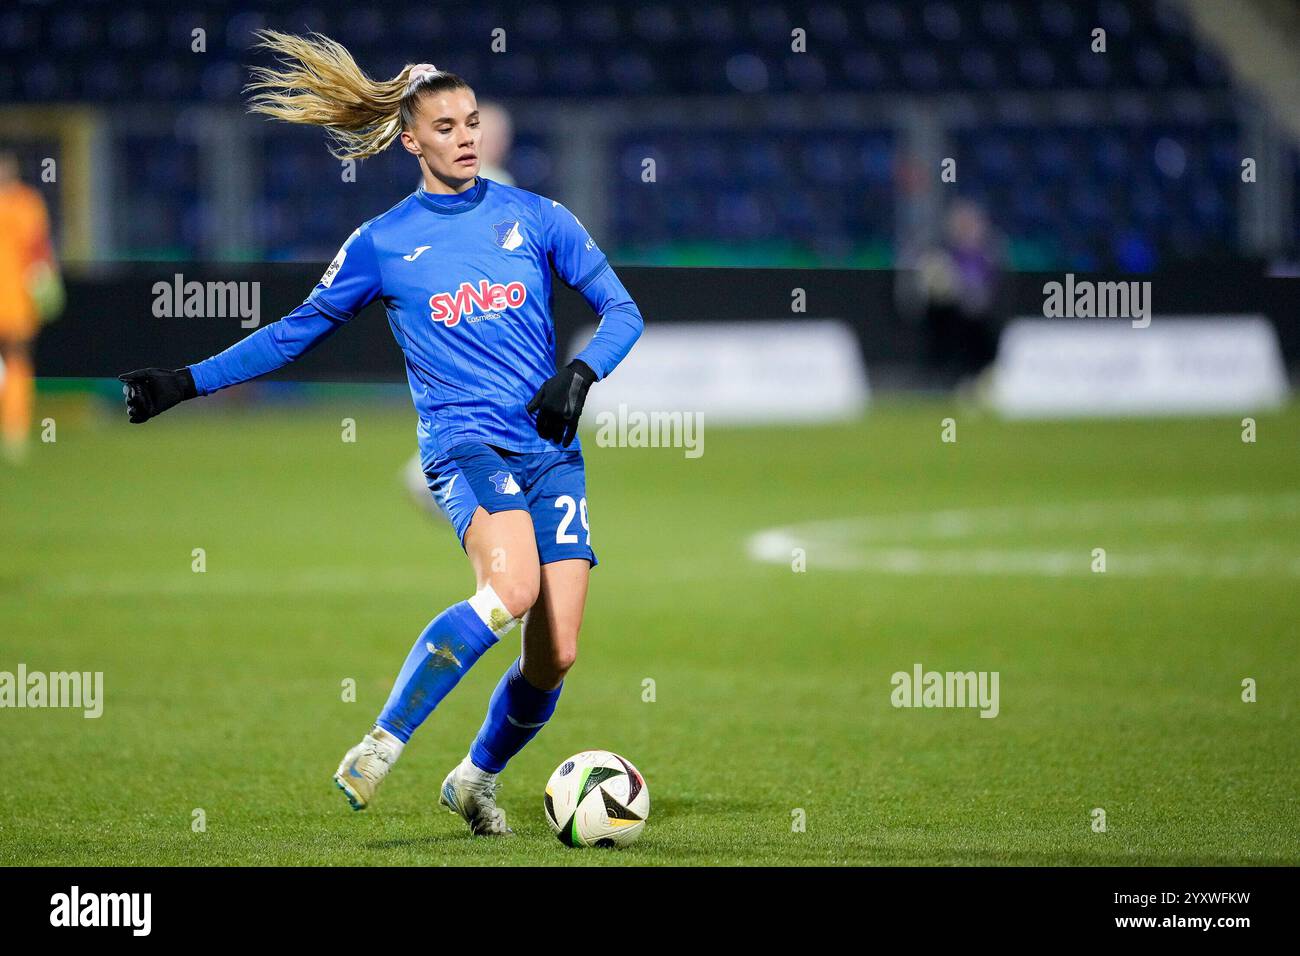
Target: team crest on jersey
<point>476,301</point>
<point>507,234</point>
<point>504,483</point>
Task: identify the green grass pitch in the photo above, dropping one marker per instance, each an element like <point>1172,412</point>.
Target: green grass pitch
<point>1119,691</point>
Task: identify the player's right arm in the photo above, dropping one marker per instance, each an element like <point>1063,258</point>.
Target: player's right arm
<point>350,283</point>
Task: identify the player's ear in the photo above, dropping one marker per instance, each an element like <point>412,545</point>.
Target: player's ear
<point>409,143</point>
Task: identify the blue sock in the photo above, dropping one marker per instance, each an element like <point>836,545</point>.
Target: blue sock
<point>443,653</point>
<point>516,712</point>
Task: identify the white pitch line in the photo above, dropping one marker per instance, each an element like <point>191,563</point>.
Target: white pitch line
<point>859,543</point>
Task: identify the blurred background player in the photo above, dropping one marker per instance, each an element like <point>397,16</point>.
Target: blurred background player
<point>29,293</point>
<point>497,131</point>
<point>958,282</point>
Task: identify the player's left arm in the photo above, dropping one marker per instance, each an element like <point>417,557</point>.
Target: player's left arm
<point>620,323</point>
<point>581,265</point>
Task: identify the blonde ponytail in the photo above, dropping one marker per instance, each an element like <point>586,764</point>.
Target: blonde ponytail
<point>325,87</point>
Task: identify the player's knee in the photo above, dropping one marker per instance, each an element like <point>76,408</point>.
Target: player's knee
<point>562,652</point>
<point>517,592</point>
<point>563,659</point>
<point>547,669</point>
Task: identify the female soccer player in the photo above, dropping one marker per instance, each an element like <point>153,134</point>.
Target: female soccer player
<point>463,266</point>
<point>27,269</point>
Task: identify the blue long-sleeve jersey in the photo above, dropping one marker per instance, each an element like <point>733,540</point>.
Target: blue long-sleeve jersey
<point>466,282</point>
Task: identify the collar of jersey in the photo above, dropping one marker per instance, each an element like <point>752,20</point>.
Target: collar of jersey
<point>456,209</point>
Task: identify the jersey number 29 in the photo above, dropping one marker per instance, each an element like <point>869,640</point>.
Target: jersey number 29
<point>566,502</point>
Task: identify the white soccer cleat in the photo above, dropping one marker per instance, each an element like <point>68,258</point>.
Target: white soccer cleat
<point>472,793</point>
<point>366,765</point>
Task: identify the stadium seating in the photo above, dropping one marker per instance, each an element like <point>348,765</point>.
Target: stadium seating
<point>1061,187</point>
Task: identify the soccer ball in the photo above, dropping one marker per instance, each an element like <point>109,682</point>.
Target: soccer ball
<point>596,798</point>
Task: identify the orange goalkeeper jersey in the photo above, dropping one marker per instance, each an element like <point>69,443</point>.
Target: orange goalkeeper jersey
<point>24,241</point>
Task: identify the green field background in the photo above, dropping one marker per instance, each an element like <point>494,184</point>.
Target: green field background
<point>772,687</point>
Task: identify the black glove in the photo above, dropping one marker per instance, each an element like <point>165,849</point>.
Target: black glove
<point>151,391</point>
<point>558,403</point>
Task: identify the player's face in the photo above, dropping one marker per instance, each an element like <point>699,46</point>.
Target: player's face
<point>447,136</point>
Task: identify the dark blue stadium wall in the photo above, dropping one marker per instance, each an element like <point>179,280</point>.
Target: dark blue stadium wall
<point>109,326</point>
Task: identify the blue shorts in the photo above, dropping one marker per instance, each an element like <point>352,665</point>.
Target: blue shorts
<point>550,485</point>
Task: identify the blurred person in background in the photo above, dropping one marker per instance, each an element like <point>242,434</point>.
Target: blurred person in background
<point>497,130</point>
<point>30,292</point>
<point>959,280</point>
